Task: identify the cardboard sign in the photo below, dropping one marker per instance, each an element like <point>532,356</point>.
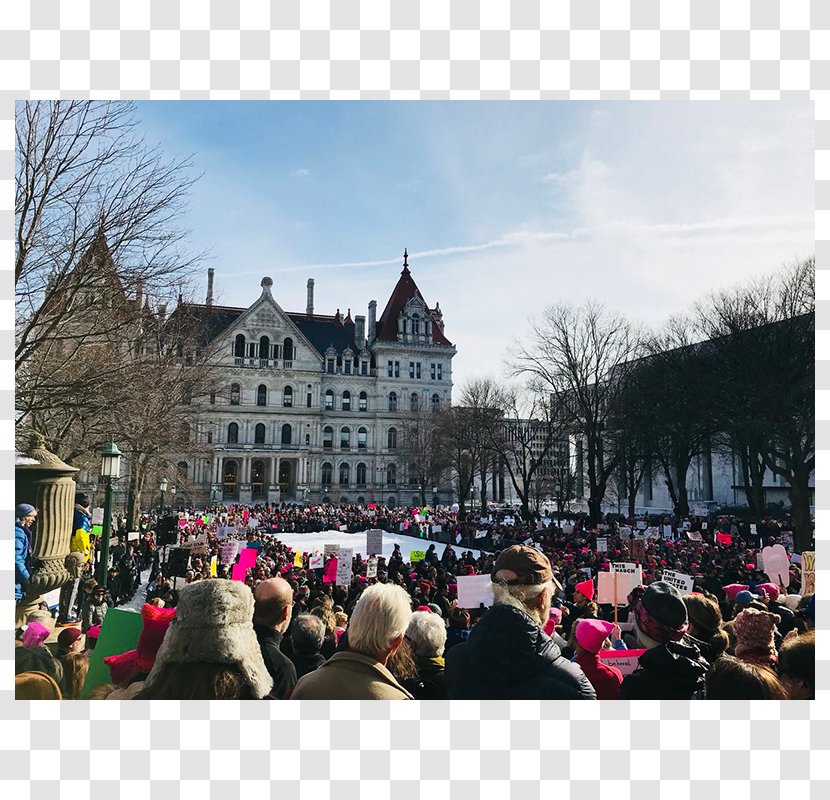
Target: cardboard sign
<point>298,559</point>
<point>97,516</point>
<point>602,545</point>
<point>683,583</point>
<point>638,549</point>
<point>481,534</point>
<point>316,562</point>
<point>641,525</point>
<point>344,567</point>
<point>667,532</point>
<point>473,590</point>
<point>608,593</point>
<point>330,549</point>
<point>416,555</point>
<point>777,564</point>
<point>374,542</point>
<point>626,661</point>
<point>372,568</point>
<point>694,536</point>
<point>229,550</point>
<point>808,572</point>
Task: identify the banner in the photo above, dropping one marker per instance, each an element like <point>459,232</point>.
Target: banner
<point>683,583</point>
<point>473,590</point>
<point>344,567</point>
<point>374,542</point>
<point>316,562</point>
<point>626,661</point>
<point>416,555</point>
<point>97,516</point>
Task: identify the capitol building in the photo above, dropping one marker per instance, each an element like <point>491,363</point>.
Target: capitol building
<point>310,406</point>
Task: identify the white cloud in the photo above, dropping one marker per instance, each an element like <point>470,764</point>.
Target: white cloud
<point>299,173</point>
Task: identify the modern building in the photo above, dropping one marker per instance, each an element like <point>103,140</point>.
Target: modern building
<point>311,407</point>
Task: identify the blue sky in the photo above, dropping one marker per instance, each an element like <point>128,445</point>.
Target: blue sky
<point>505,207</point>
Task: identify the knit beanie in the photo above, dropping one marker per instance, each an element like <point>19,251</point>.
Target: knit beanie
<point>35,635</point>
<point>732,590</point>
<point>591,633</point>
<point>659,613</point>
<point>586,589</point>
<point>771,589</point>
<point>35,686</point>
<point>22,510</point>
<point>214,624</point>
<point>755,634</point>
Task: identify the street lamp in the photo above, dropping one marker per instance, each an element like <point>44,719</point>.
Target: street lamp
<point>173,497</point>
<point>110,473</point>
<point>162,489</point>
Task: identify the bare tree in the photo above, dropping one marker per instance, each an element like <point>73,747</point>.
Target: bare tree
<point>420,451</point>
<point>460,448</point>
<point>585,356</point>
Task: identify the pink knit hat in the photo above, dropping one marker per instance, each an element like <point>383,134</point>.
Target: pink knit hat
<point>771,590</point>
<point>554,618</point>
<point>732,590</point>
<point>755,632</point>
<point>591,633</point>
<point>35,635</point>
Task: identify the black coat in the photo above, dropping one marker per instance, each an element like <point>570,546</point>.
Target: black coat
<point>507,656</point>
<point>278,664</point>
<point>308,663</point>
<point>672,671</point>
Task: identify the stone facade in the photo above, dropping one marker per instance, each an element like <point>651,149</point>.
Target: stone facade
<point>311,407</point>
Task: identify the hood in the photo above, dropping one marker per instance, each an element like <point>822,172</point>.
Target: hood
<point>679,664</point>
<point>511,645</point>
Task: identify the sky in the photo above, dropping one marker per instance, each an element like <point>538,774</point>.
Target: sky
<point>505,207</point>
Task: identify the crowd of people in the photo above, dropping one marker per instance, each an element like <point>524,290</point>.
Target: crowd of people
<point>282,629</point>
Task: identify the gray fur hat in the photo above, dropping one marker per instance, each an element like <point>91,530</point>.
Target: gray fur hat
<point>214,624</point>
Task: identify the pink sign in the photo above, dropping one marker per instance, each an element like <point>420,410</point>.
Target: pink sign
<point>182,523</point>
<point>238,573</point>
<point>330,574</point>
<point>626,661</point>
<point>247,557</point>
<point>724,538</point>
<point>245,514</point>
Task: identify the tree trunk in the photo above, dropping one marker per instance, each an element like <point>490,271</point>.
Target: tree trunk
<point>802,520</point>
<point>755,489</point>
<point>681,508</point>
<point>483,487</point>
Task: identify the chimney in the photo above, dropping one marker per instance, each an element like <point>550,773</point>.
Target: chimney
<point>209,298</point>
<point>139,291</point>
<point>162,312</point>
<point>360,330</point>
<point>373,307</point>
<point>309,303</point>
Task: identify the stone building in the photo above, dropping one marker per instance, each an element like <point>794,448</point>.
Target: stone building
<point>311,407</point>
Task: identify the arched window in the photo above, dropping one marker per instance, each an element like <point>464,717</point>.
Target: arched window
<point>360,474</point>
<point>264,348</point>
<point>328,436</point>
<point>286,434</point>
<point>287,397</point>
<point>344,475</point>
<point>344,501</point>
<point>258,485</point>
<point>413,402</point>
<point>345,438</point>
<point>236,394</point>
<point>326,474</point>
<point>392,439</point>
<point>361,438</point>
<point>416,325</point>
<point>288,349</point>
<point>392,502</point>
<point>233,433</point>
<point>229,474</point>
<point>391,475</point>
<point>346,402</point>
<point>436,402</point>
<point>361,500</point>
<point>328,400</point>
<point>259,434</point>
<point>239,346</point>
<point>261,394</point>
<point>363,402</point>
<point>393,401</point>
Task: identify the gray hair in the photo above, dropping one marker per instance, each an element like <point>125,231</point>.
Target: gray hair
<point>427,633</point>
<point>307,634</point>
<point>520,596</point>
<point>379,617</point>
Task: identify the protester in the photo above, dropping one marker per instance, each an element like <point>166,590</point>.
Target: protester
<point>507,655</point>
<point>427,637</point>
<point>272,616</point>
<point>210,650</point>
<point>797,666</point>
<point>733,679</point>
<point>592,636</point>
<point>80,541</point>
<point>95,607</point>
<point>376,630</point>
<point>459,627</point>
<point>24,517</point>
<point>37,659</point>
<point>75,668</point>
<point>755,634</point>
<point>36,634</point>
<point>705,626</point>
<point>672,668</point>
<point>70,640</point>
<point>770,594</point>
<point>308,632</point>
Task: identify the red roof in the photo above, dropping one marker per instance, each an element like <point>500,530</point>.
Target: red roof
<point>404,291</point>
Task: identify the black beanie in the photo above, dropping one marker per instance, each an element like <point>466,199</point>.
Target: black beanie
<point>82,499</point>
<point>665,604</point>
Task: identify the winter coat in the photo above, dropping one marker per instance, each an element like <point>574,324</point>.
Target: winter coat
<point>79,543</point>
<point>308,663</point>
<point>456,635</point>
<point>92,613</point>
<point>604,678</point>
<point>350,676</point>
<point>22,560</point>
<point>277,663</point>
<point>430,683</point>
<point>509,657</point>
<point>672,671</point>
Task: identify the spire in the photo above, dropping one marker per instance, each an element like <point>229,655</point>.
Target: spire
<point>348,316</point>
<point>405,270</point>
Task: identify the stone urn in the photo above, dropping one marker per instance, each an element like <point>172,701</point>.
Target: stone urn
<point>46,482</point>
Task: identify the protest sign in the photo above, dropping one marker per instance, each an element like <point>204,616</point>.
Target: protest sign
<point>182,523</point>
<point>316,562</point>
<point>787,540</point>
<point>528,542</point>
<point>687,526</point>
<point>371,512</point>
<point>213,567</point>
<point>638,549</point>
<point>753,528</point>
<point>607,591</point>
<point>653,532</point>
<point>228,552</point>
<point>723,538</point>
<point>97,530</point>
<point>374,542</point>
<point>223,531</point>
<point>566,529</point>
<point>330,572</point>
<point>416,555</point>
<point>247,557</point>
<point>97,516</point>
<point>808,572</point>
<point>704,526</point>
<point>694,536</point>
<point>133,536</point>
<point>119,633</point>
<point>344,566</point>
<point>402,526</point>
<point>641,525</point>
<point>372,568</point>
<point>777,564</point>
<point>625,530</point>
<point>298,559</point>
<point>253,523</point>
<point>458,538</point>
<point>344,528</point>
<point>602,545</point>
<point>667,531</point>
<point>330,549</point>
<point>795,558</point>
<point>626,661</point>
<point>239,572</point>
<point>437,528</point>
<point>480,534</point>
<point>683,583</point>
<point>473,590</point>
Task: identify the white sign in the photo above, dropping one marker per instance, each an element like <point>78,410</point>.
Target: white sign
<point>97,516</point>
<point>777,564</point>
<point>609,592</point>
<point>509,520</point>
<point>253,522</point>
<point>344,528</point>
<point>344,567</point>
<point>652,533</point>
<point>437,528</point>
<point>625,531</point>
<point>229,551</point>
<point>704,526</point>
<point>374,542</point>
<point>641,525</point>
<point>694,536</point>
<point>330,549</point>
<point>626,661</point>
<point>528,541</point>
<point>372,568</point>
<point>316,562</point>
<point>602,545</point>
<point>667,531</point>
<point>480,534</point>
<point>473,590</point>
<point>458,538</point>
<point>753,528</point>
<point>371,512</point>
<point>683,583</point>
<point>133,536</point>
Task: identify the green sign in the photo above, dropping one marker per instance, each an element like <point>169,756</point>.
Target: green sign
<point>97,530</point>
<point>119,633</point>
<point>416,555</point>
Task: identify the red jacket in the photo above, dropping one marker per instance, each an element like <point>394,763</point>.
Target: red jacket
<point>605,680</point>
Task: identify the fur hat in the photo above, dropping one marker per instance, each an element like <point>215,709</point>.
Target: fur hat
<point>755,632</point>
<point>214,624</point>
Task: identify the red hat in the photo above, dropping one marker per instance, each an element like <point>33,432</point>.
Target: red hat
<point>94,632</point>
<point>586,589</point>
<point>732,590</point>
<point>156,621</point>
<point>591,633</point>
<point>424,586</point>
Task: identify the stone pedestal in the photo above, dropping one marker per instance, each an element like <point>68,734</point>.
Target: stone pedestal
<point>245,493</point>
<point>43,480</point>
<point>273,493</point>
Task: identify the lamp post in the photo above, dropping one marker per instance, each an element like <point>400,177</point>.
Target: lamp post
<point>173,498</point>
<point>110,472</point>
<point>162,489</point>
